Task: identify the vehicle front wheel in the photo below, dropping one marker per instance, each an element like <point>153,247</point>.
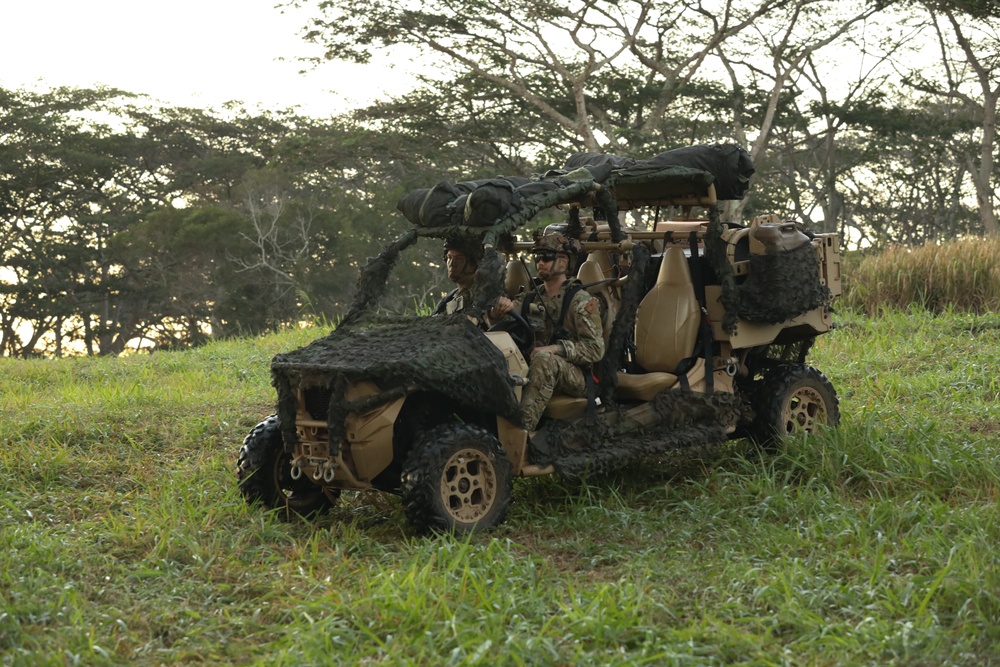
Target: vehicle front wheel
<point>457,479</point>
<point>264,473</point>
<point>793,398</point>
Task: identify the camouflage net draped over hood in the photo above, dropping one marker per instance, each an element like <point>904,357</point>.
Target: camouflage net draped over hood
<point>447,355</point>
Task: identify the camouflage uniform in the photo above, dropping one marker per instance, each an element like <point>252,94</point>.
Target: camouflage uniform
<point>583,345</point>
<point>455,302</point>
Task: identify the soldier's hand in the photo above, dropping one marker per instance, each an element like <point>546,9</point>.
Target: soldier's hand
<point>501,307</point>
<point>556,349</point>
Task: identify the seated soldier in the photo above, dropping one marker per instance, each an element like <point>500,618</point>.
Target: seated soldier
<point>462,260</point>
<point>569,337</point>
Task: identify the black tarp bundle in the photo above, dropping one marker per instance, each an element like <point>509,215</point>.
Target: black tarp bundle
<point>685,420</point>
<point>729,165</point>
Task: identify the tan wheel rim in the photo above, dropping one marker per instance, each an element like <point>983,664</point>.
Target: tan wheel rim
<point>468,485</point>
<point>805,409</point>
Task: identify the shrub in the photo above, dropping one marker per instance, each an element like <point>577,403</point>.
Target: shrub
<point>962,275</point>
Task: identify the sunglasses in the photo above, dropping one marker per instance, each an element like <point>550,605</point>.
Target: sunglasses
<point>546,257</point>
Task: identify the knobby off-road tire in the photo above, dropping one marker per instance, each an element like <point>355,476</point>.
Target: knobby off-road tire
<point>457,479</point>
<point>793,398</point>
<point>264,473</point>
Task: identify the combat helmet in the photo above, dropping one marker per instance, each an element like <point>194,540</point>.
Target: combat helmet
<point>471,246</point>
<point>561,244</point>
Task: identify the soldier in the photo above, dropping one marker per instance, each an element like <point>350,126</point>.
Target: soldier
<point>462,260</point>
<point>569,337</point>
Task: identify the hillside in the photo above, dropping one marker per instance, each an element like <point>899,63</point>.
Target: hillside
<point>126,541</point>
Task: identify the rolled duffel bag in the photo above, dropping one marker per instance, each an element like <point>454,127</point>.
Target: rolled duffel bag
<point>490,201</point>
<point>429,207</point>
<point>444,204</point>
<point>438,206</point>
<point>410,204</point>
<point>494,199</point>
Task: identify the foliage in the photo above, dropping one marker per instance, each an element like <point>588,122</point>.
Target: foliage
<point>641,77</point>
<point>127,542</point>
<point>558,60</point>
<point>128,225</point>
<point>125,224</point>
<point>978,9</point>
<point>960,275</point>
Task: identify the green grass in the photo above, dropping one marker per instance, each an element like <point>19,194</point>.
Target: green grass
<point>125,541</point>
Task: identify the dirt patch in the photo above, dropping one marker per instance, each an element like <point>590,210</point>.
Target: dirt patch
<point>985,427</point>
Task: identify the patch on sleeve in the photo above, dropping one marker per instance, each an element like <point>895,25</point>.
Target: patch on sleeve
<point>591,306</point>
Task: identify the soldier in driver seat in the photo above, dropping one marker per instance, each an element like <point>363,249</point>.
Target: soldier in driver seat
<point>462,261</point>
<point>569,336</point>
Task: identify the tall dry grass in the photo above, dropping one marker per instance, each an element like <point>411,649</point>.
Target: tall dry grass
<point>961,275</point>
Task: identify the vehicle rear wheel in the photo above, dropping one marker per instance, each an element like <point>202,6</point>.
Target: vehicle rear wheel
<point>457,479</point>
<point>264,473</point>
<point>793,398</point>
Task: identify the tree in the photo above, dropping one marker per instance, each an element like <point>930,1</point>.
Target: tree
<point>782,61</point>
<point>547,53</point>
<point>979,41</point>
<point>635,77</point>
<point>966,77</point>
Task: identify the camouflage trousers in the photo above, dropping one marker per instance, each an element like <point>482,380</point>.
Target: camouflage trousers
<point>549,374</point>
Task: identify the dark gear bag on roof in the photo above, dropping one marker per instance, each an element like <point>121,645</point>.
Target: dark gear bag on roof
<point>731,165</point>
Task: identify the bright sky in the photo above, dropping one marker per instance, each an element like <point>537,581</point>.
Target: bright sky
<point>199,53</point>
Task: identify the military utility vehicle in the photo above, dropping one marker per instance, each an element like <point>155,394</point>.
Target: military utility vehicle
<point>708,326</point>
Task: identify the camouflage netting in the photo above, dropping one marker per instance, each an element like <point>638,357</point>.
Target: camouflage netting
<point>487,285</point>
<point>447,355</point>
<point>782,285</point>
<point>624,324</point>
<point>373,277</point>
<point>684,420</point>
<point>715,253</point>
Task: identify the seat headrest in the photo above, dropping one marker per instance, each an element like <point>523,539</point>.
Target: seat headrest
<point>674,268</point>
<point>608,269</point>
<point>516,278</point>
<point>590,272</point>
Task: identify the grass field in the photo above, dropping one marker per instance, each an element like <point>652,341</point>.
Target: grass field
<point>124,539</point>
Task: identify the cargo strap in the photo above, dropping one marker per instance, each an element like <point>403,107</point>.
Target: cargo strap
<point>696,263</point>
<point>560,332</point>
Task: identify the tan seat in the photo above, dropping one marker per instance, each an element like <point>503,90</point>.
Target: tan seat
<point>516,279</point>
<point>591,274</point>
<point>609,270</point>
<point>666,331</point>
<point>565,407</point>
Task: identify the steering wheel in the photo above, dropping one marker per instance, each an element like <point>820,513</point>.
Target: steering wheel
<point>519,329</point>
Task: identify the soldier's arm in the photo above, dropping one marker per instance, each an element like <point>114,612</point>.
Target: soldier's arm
<point>588,346</point>
<point>504,306</point>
